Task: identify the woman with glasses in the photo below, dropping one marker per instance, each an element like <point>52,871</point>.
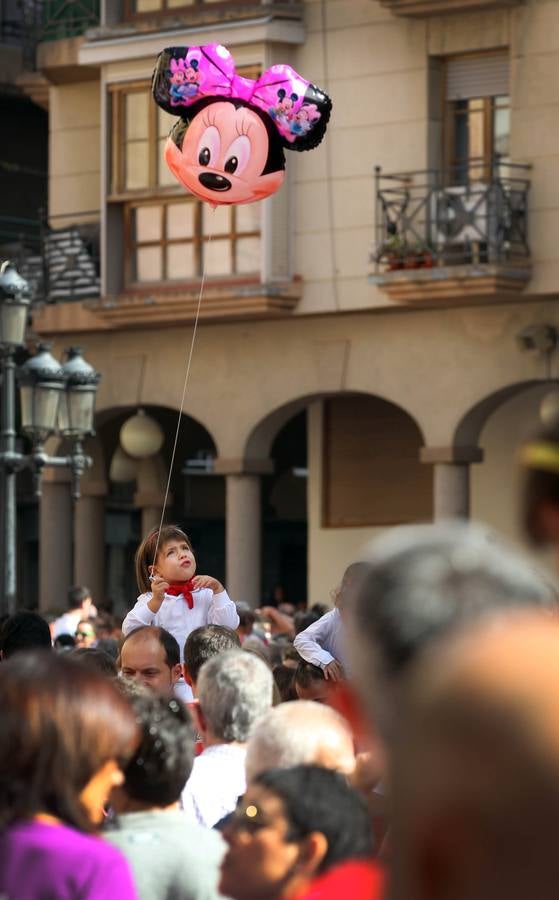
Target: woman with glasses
<point>85,633</point>
<point>66,734</point>
<point>294,826</point>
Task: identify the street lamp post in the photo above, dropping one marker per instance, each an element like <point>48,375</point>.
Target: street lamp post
<point>54,399</point>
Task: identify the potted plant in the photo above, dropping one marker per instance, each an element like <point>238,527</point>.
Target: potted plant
<point>426,256</point>
<point>394,252</point>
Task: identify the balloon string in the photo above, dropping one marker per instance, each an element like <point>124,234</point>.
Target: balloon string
<point>184,387</point>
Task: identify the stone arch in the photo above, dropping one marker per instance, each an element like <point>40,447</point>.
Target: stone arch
<point>327,518</point>
<point>108,414</point>
<point>263,433</point>
<point>470,426</point>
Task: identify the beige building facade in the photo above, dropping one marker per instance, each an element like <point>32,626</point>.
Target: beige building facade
<point>357,362</point>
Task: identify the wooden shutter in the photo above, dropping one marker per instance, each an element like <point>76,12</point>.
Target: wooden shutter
<point>477,76</point>
<point>371,469</point>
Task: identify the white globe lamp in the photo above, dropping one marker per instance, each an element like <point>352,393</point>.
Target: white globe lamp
<point>141,436</point>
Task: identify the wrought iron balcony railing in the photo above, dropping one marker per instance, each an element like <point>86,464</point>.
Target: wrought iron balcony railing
<point>422,8</point>
<point>25,23</point>
<point>67,18</point>
<point>425,219</point>
<point>60,264</point>
<point>134,8</point>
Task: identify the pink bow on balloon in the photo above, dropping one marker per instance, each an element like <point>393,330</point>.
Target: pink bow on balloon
<point>280,93</point>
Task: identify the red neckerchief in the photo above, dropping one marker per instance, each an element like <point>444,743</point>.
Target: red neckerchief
<point>182,587</point>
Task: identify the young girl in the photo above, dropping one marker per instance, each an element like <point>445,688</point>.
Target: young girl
<point>173,596</point>
<point>322,643</point>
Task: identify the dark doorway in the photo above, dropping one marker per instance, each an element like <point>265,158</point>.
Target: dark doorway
<point>284,515</point>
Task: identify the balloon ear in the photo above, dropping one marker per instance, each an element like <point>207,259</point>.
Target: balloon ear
<point>167,63</point>
<point>315,114</point>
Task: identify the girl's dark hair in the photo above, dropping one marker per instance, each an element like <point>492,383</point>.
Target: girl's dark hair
<point>317,799</point>
<point>145,554</point>
<point>275,161</point>
<point>541,482</point>
<point>61,722</point>
<point>284,677</point>
<point>306,673</point>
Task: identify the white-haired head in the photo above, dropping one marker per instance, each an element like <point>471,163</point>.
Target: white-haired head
<point>425,582</point>
<point>234,691</point>
<point>300,732</point>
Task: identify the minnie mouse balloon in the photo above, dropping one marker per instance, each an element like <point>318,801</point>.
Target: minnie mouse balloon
<point>227,147</point>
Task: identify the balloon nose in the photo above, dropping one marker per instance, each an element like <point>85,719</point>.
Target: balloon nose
<point>214,182</point>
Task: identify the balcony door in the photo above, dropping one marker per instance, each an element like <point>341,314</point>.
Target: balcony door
<point>477,116</point>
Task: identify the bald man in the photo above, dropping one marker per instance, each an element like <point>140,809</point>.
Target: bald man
<point>300,732</point>
<point>150,655</point>
<point>475,776</point>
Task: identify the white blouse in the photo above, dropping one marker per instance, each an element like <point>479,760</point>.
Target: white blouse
<point>175,615</point>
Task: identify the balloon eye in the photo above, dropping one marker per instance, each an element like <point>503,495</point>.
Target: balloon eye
<point>237,155</point>
<point>204,156</point>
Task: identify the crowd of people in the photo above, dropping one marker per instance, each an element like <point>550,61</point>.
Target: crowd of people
<point>400,744</point>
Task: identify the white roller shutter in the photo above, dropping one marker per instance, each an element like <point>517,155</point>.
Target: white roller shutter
<point>477,76</point>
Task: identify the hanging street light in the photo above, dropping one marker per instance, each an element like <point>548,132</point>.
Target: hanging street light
<point>54,399</point>
<point>141,436</point>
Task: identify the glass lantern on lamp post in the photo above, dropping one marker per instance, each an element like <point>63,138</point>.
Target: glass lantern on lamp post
<point>54,399</point>
<point>77,404</point>
<point>14,306</point>
<point>41,383</point>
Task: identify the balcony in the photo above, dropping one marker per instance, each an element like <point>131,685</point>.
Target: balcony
<point>237,22</point>
<point>452,240</point>
<point>423,8</point>
<point>67,18</point>
<point>60,263</point>
<point>136,16</point>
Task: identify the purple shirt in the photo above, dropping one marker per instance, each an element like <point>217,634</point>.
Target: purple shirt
<point>55,862</point>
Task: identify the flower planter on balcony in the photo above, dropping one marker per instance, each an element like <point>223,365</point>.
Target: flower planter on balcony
<point>443,242</point>
<point>452,285</point>
<point>439,7</point>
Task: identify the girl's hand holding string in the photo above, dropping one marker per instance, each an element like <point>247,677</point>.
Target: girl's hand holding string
<point>158,588</point>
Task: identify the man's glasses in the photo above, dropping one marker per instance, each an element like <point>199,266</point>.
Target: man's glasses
<point>85,634</point>
<point>248,818</point>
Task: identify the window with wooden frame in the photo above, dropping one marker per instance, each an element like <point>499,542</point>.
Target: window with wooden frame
<point>175,239</point>
<point>477,115</point>
<point>169,237</point>
<point>135,8</point>
<point>140,129</point>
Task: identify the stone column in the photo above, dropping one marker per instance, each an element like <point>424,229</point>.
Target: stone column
<point>451,479</point>
<point>89,539</point>
<point>243,527</point>
<point>55,540</point>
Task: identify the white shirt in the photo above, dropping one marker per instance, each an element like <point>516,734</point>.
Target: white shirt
<point>323,641</point>
<point>68,623</point>
<point>217,781</point>
<point>175,615</point>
